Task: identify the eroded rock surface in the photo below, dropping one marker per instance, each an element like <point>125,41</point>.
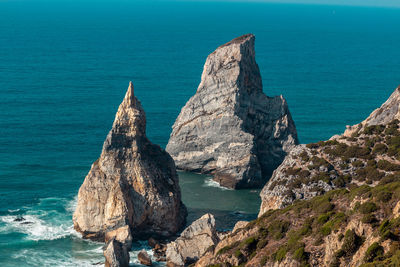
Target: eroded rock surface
<point>230,128</point>
<point>133,188</point>
<point>193,242</point>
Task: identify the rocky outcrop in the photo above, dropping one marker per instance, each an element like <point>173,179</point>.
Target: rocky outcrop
<point>133,188</point>
<point>230,128</point>
<point>116,254</point>
<point>365,153</point>
<point>193,242</point>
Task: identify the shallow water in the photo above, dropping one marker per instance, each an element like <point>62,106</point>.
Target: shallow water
<point>65,66</point>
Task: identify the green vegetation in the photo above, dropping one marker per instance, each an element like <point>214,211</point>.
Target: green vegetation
<point>351,243</point>
<point>277,229</point>
<point>379,149</point>
<point>373,251</point>
<point>373,129</point>
<point>367,207</point>
<point>387,166</point>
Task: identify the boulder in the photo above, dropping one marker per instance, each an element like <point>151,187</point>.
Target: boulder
<point>193,242</point>
<point>133,188</point>
<point>230,128</point>
<point>144,258</point>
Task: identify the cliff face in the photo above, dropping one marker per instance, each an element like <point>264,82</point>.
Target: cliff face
<point>230,128</point>
<point>365,153</point>
<point>341,228</point>
<point>134,183</point>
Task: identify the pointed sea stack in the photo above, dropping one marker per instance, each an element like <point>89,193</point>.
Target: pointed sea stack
<point>133,188</point>
<point>230,128</point>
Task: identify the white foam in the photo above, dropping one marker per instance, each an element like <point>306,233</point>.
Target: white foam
<point>209,182</point>
<point>35,228</point>
<point>71,205</point>
<point>55,258</point>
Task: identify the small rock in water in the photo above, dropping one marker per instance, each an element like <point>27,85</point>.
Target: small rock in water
<point>144,258</point>
<point>19,219</point>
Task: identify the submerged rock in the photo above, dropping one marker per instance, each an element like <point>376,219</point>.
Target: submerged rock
<point>230,128</point>
<point>133,188</point>
<point>116,254</point>
<point>193,242</point>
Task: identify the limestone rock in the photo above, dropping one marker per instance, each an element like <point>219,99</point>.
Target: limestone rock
<point>134,183</point>
<point>116,254</point>
<point>193,241</point>
<point>144,258</point>
<point>230,128</point>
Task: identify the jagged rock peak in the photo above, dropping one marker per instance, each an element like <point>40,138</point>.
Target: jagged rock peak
<point>130,95</point>
<point>240,54</point>
<point>133,183</point>
<point>230,128</point>
<point>389,111</point>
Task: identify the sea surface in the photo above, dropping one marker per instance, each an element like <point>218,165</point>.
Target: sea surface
<point>65,67</point>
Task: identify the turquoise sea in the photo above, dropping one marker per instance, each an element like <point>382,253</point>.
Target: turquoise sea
<point>65,66</point>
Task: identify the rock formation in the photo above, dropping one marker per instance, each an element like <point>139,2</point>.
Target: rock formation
<point>365,153</point>
<point>116,254</point>
<point>193,242</point>
<point>230,128</point>
<point>133,188</point>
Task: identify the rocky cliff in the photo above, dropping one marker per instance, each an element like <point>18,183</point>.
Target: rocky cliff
<point>344,227</point>
<point>230,128</point>
<point>364,154</point>
<point>133,188</point>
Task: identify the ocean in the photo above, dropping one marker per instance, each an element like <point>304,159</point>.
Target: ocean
<point>65,67</point>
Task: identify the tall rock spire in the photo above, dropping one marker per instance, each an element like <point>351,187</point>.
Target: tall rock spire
<point>133,187</point>
<point>230,128</point>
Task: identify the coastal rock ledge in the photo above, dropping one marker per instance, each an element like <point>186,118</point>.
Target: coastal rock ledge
<point>133,188</point>
<point>230,128</point>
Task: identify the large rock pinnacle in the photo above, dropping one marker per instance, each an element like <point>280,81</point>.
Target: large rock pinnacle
<point>133,187</point>
<point>230,128</point>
